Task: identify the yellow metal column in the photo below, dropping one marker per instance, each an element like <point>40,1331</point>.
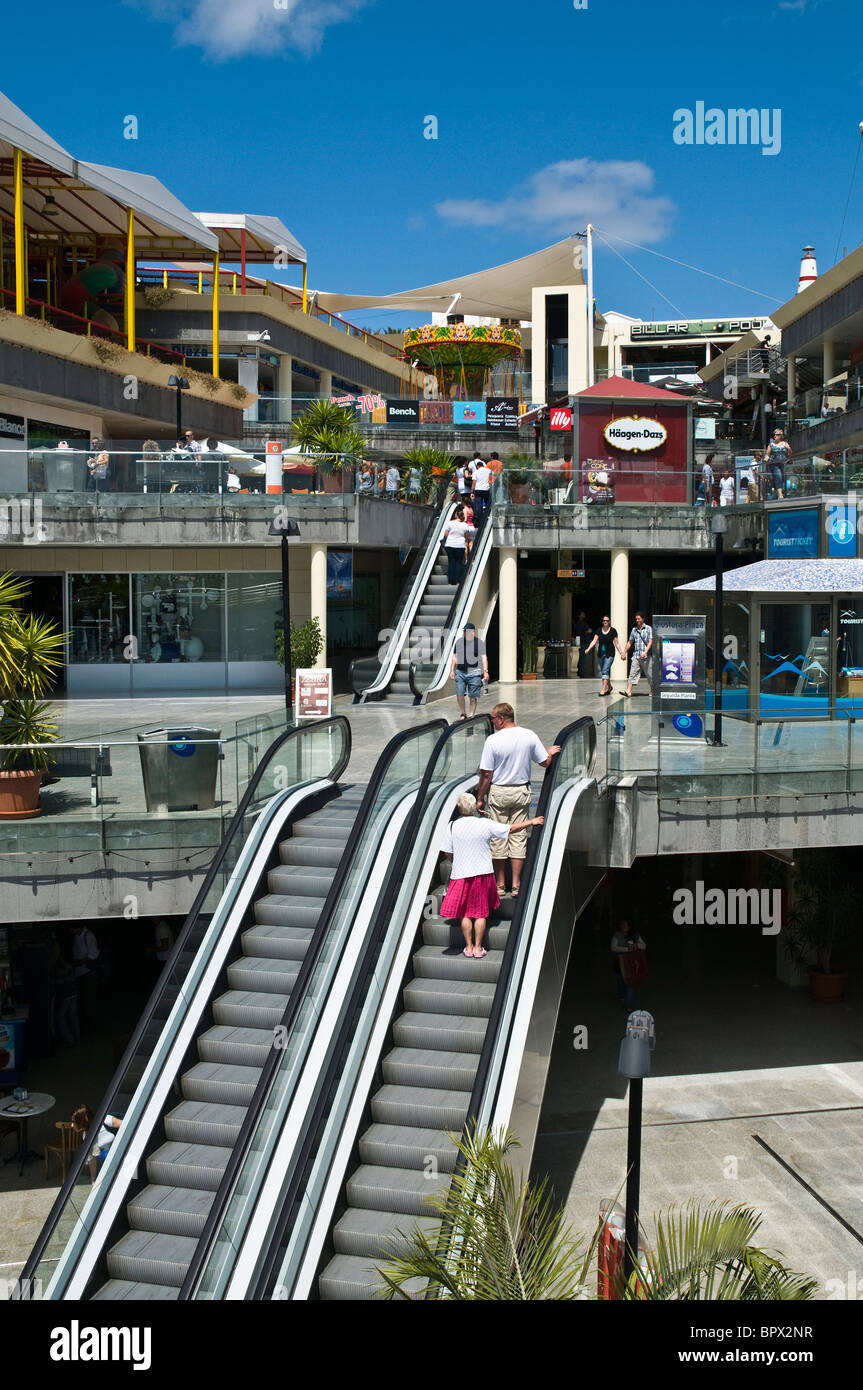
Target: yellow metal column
<point>216,314</point>
<point>130,279</point>
<point>305,295</point>
<point>20,268</point>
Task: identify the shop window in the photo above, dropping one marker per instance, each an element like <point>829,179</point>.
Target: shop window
<point>179,617</point>
<point>796,658</point>
<point>254,616</point>
<point>98,617</point>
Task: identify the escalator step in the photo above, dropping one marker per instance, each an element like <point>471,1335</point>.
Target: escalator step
<point>350,1278</point>
<point>438,931</point>
<point>324,830</point>
<point>116,1290</point>
<point>221,1083</point>
<point>284,943</point>
<point>444,1031</point>
<point>449,997</point>
<point>175,1211</point>
<point>375,1234</point>
<point>405,1147</point>
<point>264,973</point>
<point>188,1165</point>
<point>305,883</point>
<point>401,1190</point>
<point>410,1066</point>
<point>311,854</point>
<point>146,1257</point>
<point>248,1047</point>
<point>281,910</point>
<point>249,1009</point>
<point>431,963</point>
<point>420,1107</point>
<point>200,1122</point>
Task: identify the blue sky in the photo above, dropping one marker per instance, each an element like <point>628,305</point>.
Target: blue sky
<point>548,116</point>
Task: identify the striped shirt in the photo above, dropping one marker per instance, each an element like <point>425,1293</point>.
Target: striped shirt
<point>640,637</point>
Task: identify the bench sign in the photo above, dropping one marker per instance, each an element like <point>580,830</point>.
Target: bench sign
<point>635,433</point>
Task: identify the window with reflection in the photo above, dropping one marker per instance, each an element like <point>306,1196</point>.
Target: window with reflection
<point>179,617</point>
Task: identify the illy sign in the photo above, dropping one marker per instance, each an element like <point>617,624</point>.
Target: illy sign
<point>560,418</point>
<point>635,433</point>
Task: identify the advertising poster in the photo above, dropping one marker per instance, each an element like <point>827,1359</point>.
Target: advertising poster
<point>468,412</point>
<point>793,535</point>
<point>679,652</point>
<point>314,694</point>
<point>403,412</point>
<point>501,413</point>
<point>340,573</point>
<point>597,480</point>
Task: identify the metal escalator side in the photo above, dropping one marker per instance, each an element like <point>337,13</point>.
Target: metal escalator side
<point>294,1210</point>
<point>304,764</point>
<point>430,678</point>
<point>314,1004</point>
<point>370,677</point>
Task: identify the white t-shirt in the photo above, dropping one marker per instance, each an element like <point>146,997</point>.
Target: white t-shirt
<point>508,754</point>
<point>482,477</point>
<point>458,532</point>
<point>726,489</point>
<point>85,949</point>
<point>393,479</point>
<point>232,483</point>
<point>463,474</point>
<point>467,840</point>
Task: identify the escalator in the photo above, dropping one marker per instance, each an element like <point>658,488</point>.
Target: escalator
<point>430,1041</point>
<point>264,928</point>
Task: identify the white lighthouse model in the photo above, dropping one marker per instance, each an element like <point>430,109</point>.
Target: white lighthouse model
<point>808,269</point>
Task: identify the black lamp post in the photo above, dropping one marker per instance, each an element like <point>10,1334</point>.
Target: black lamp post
<point>718,527</point>
<point>182,385</point>
<point>290,528</point>
<point>634,1063</point>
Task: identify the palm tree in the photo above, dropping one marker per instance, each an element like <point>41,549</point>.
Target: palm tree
<point>330,432</point>
<point>30,656</point>
<point>504,1238</point>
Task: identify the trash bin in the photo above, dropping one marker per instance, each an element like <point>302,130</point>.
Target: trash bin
<point>180,770</point>
<point>65,470</point>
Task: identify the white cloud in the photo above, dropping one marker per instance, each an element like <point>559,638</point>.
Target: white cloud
<point>235,28</point>
<point>615,194</point>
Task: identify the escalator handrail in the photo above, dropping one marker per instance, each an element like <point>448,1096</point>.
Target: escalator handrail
<point>239,1152</point>
<point>481,546</point>
<point>516,926</point>
<point>412,595</point>
<point>374,940</point>
<point>78,1160</point>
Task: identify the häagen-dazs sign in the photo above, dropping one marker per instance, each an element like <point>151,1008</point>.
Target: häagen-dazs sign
<point>635,432</point>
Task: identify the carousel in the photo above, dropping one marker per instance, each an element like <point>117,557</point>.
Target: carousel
<point>461,358</point>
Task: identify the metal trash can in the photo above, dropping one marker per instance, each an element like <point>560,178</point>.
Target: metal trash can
<point>179,770</point>
<point>65,470</point>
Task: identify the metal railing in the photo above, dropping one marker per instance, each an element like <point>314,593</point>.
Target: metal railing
<point>90,328</point>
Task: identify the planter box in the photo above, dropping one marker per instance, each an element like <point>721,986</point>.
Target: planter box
<point>19,795</point>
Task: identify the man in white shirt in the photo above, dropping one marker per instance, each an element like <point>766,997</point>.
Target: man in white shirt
<point>392,483</point>
<point>504,781</point>
<point>232,481</point>
<point>481,494</point>
<point>463,479</point>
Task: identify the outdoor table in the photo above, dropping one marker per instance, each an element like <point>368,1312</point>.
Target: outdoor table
<point>21,1111</point>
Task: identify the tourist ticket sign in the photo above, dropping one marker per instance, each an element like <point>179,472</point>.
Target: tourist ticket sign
<point>314,694</point>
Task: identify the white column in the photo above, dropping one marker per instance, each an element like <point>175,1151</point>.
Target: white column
<point>508,605</point>
<point>326,386</point>
<point>791,367</point>
<point>829,361</point>
<point>318,606</point>
<point>247,375</point>
<point>620,605</point>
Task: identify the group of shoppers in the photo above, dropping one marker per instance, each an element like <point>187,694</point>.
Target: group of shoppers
<point>763,476</point>
<point>492,827</point>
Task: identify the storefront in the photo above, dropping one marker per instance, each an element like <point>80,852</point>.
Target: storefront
<point>633,443</point>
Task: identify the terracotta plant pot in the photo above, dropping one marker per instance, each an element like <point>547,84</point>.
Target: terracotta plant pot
<point>528,676</point>
<point>332,482</point>
<point>827,989</point>
<point>19,795</point>
<point>519,492</point>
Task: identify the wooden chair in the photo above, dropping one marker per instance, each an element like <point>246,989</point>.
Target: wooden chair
<point>70,1138</point>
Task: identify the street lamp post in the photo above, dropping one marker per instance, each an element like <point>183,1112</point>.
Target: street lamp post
<point>182,385</point>
<point>718,527</point>
<point>290,528</point>
<point>634,1063</point>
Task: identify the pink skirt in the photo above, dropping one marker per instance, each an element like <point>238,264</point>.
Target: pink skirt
<point>470,897</point>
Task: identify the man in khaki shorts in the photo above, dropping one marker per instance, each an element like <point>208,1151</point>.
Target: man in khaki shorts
<point>505,768</point>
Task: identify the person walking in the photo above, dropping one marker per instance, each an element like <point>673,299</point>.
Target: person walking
<point>504,784</point>
<point>472,894</point>
<point>641,644</point>
<point>777,455</point>
<point>481,492</point>
<point>707,479</point>
<point>457,535</point>
<point>726,489</point>
<point>393,480</point>
<point>463,479</point>
<point>623,943</point>
<point>469,669</point>
<point>583,633</point>
<point>608,643</point>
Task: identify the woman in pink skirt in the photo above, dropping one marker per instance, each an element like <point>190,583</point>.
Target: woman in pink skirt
<point>472,893</point>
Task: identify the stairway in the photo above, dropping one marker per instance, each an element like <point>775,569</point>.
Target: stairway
<point>167,1217</point>
<point>406,1153</point>
<point>426,630</point>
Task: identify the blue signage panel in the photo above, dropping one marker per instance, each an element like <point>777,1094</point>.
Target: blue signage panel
<point>468,412</point>
<point>842,531</point>
<point>793,535</point>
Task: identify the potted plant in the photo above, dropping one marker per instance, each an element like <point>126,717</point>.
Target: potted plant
<point>822,917</point>
<point>329,432</point>
<point>531,620</point>
<point>30,656</point>
<point>307,643</point>
<point>519,484</point>
<point>434,465</point>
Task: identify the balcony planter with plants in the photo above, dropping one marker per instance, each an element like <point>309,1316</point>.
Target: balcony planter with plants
<point>531,621</point>
<point>329,434</point>
<point>30,651</point>
<point>822,917</point>
<point>307,643</point>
